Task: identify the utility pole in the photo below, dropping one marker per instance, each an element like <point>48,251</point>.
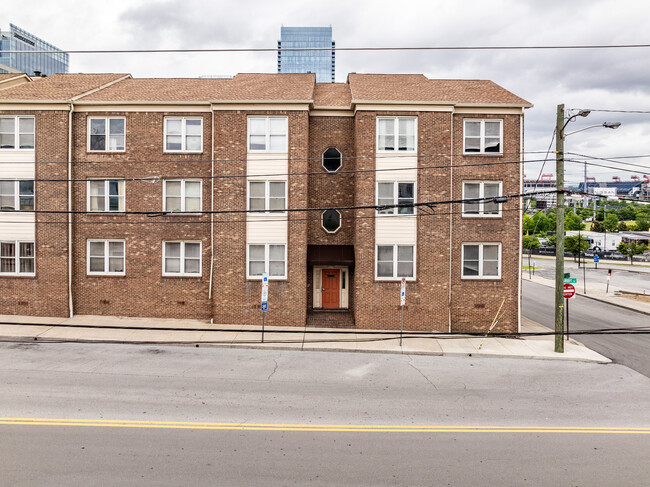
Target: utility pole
<point>559,231</point>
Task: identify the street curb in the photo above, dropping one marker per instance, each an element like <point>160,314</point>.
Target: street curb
<point>260,346</point>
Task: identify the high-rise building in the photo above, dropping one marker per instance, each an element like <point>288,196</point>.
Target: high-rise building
<point>17,39</point>
<point>319,61</point>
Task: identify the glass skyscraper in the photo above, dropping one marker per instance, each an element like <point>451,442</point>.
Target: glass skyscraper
<point>17,39</point>
<point>319,62</point>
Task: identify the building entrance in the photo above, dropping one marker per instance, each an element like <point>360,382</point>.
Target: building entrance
<point>330,288</point>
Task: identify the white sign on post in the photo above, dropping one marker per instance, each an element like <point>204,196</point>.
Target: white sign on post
<point>403,292</point>
<point>265,292</point>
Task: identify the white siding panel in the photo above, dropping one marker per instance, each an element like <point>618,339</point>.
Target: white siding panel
<point>396,230</point>
<point>267,164</point>
<point>17,164</point>
<point>266,230</point>
<point>406,164</point>
<point>17,226</point>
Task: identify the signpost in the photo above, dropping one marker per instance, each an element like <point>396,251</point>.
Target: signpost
<point>609,276</point>
<point>402,302</point>
<point>569,292</point>
<point>265,299</point>
<point>596,260</point>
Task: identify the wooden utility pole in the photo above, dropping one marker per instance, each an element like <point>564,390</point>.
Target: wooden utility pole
<point>559,231</point>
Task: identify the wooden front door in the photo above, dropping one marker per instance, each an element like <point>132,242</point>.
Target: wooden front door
<point>330,289</point>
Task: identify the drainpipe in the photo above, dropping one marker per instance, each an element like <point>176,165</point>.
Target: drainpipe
<point>521,217</point>
<point>211,220</point>
<point>70,300</point>
<point>451,213</point>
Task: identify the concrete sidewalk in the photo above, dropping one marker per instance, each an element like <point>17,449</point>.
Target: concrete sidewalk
<point>598,291</point>
<point>198,333</point>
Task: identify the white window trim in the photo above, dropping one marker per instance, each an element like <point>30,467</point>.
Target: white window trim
<point>340,222</point>
<point>183,135</point>
<point>322,158</point>
<point>106,134</point>
<point>17,131</point>
<point>396,135</point>
<point>394,278</point>
<point>106,195</point>
<point>267,135</point>
<point>17,194</point>
<point>106,243</point>
<point>481,212</point>
<point>396,199</point>
<point>267,196</point>
<point>183,181</point>
<point>482,152</point>
<point>17,258</point>
<point>182,258</point>
<point>480,261</point>
<point>266,262</point>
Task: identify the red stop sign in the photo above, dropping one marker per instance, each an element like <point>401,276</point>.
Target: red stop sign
<point>569,291</point>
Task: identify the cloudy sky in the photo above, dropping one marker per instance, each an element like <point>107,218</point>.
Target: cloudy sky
<point>605,79</point>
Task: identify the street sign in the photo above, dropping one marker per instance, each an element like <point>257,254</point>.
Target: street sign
<point>265,292</point>
<point>567,275</point>
<point>596,259</point>
<point>571,280</point>
<point>403,292</point>
<point>569,291</point>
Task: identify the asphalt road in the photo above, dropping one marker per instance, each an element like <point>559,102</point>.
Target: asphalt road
<point>587,314</point>
<point>262,417</point>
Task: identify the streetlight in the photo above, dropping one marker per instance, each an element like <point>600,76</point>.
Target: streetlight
<point>559,220</point>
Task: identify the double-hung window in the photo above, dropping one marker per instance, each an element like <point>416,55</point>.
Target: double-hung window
<point>17,195</point>
<point>106,134</point>
<point>396,134</point>
<point>267,196</point>
<point>106,195</point>
<point>395,193</point>
<point>481,261</point>
<point>182,195</point>
<point>483,136</point>
<point>482,191</point>
<point>269,258</point>
<point>183,134</point>
<point>17,133</point>
<point>16,258</point>
<point>395,262</point>
<point>268,134</point>
<point>106,257</point>
<point>182,259</point>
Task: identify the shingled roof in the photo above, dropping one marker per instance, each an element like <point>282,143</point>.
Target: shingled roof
<point>58,87</point>
<point>259,87</point>
<point>419,88</point>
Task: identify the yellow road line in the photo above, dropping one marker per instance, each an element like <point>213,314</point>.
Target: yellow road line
<point>320,427</point>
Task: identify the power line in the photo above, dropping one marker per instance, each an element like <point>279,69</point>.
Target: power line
<point>330,49</point>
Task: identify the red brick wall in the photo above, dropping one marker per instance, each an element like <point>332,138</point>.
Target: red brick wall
<point>46,293</point>
<point>475,302</point>
<point>143,291</point>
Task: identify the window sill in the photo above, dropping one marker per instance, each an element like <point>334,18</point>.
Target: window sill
<point>394,279</point>
<point>485,154</point>
<point>256,279</point>
<point>183,275</point>
<point>88,151</point>
<point>395,215</point>
<point>23,275</point>
<point>478,278</point>
<point>100,274</point>
<point>284,151</point>
<point>106,212</point>
<point>492,217</point>
<point>412,152</point>
<point>183,151</point>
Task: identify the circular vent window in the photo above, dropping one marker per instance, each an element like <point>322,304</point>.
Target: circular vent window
<point>332,160</point>
<point>331,220</point>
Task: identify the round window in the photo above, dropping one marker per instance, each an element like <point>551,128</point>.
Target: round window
<point>331,220</point>
<point>332,160</point>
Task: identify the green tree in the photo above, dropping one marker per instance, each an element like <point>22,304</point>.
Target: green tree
<point>572,222</point>
<point>631,249</point>
<point>539,223</point>
<point>530,242</point>
<point>552,241</point>
<point>627,213</point>
<point>611,222</point>
<point>576,245</point>
<point>642,224</point>
<point>598,227</point>
<point>622,227</point>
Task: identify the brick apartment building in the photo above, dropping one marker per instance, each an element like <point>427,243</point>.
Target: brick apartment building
<point>168,197</point>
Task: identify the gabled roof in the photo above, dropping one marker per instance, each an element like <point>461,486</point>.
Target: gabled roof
<point>332,95</point>
<point>7,80</point>
<point>58,87</point>
<point>411,88</point>
<point>269,87</point>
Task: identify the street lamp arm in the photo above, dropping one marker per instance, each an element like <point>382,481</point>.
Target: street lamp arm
<point>609,125</point>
